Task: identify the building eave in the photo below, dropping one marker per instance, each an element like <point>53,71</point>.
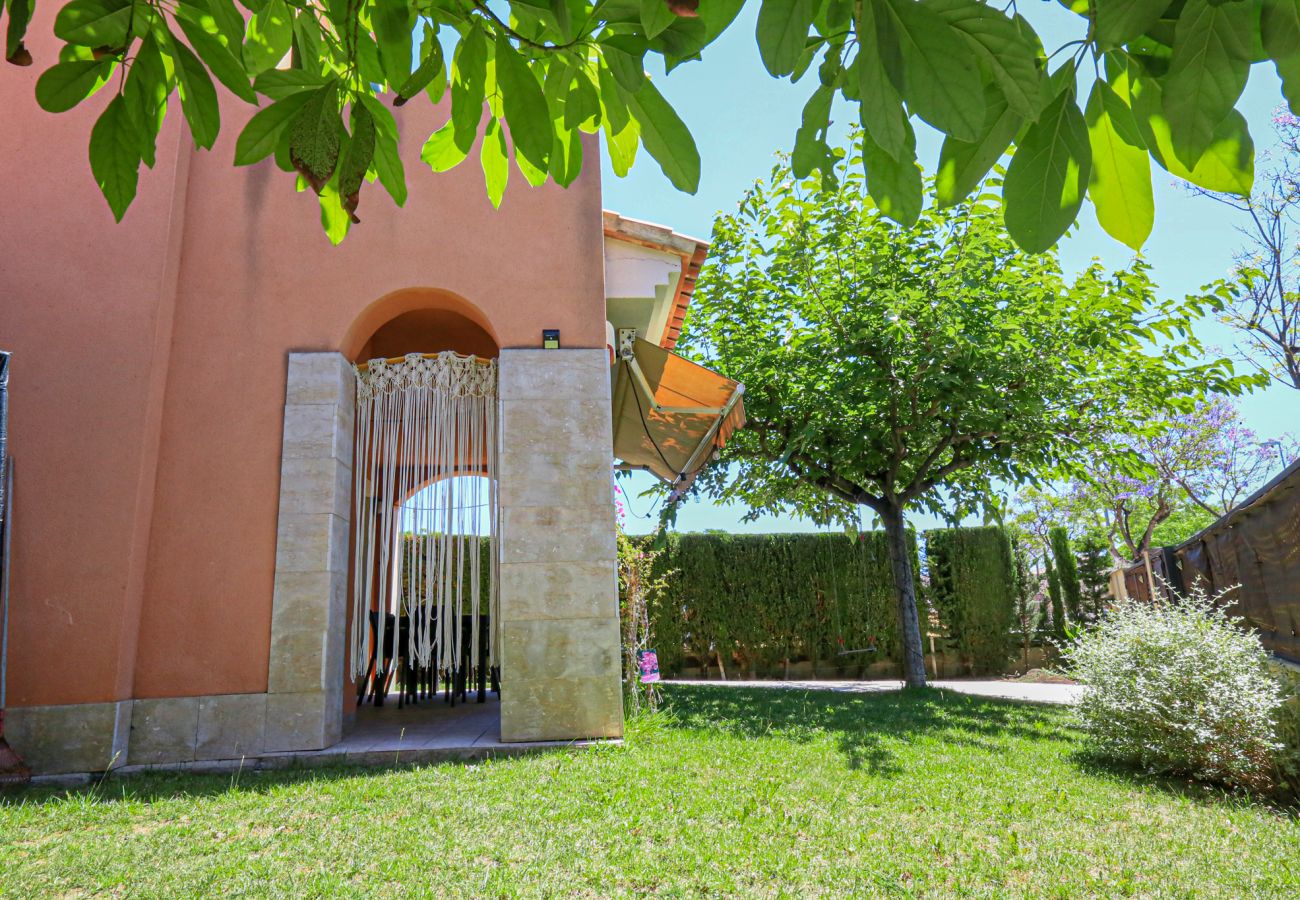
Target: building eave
<point>662,238</point>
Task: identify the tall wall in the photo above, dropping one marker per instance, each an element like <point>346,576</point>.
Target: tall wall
<point>148,383</point>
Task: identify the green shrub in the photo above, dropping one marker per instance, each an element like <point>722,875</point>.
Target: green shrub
<point>973,589</point>
<point>1179,688</point>
<point>1288,726</point>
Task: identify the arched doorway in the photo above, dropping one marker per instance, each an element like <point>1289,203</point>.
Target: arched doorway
<point>559,635</point>
<point>424,545</point>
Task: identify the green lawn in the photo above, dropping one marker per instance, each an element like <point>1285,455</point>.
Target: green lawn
<point>738,792</point>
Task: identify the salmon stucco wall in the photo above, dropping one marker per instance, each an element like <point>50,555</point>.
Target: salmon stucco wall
<point>148,376</point>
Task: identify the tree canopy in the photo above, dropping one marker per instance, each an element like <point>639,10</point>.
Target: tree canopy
<point>896,368</point>
<point>1144,80</point>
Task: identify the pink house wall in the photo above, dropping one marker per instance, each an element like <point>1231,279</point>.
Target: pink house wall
<point>148,376</point>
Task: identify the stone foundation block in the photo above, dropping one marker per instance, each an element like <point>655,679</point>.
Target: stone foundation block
<point>163,730</point>
<point>558,709</point>
<point>80,737</point>
<point>231,726</point>
<point>303,721</point>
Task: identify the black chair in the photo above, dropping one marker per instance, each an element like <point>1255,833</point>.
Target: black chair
<point>378,677</point>
<point>456,684</point>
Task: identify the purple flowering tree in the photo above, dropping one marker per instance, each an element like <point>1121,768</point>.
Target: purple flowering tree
<point>1204,458</point>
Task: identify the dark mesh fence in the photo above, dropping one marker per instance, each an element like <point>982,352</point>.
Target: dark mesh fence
<point>1256,546</point>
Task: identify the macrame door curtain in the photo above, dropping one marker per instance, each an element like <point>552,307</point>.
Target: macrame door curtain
<point>424,420</point>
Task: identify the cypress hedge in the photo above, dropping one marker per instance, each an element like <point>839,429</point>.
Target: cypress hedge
<point>772,598</point>
<point>973,589</point>
<point>1067,569</point>
<point>765,599</point>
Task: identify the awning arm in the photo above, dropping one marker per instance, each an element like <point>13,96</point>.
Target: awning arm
<point>707,441</point>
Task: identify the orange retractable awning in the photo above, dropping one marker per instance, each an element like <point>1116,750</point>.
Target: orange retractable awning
<point>671,414</point>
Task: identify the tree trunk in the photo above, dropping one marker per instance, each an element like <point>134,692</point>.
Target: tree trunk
<point>905,586</point>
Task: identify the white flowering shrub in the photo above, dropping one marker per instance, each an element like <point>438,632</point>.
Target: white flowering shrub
<point>1179,688</point>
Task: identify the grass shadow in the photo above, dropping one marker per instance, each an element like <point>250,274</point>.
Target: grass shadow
<point>863,724</point>
<point>150,786</point>
<point>1199,792</point>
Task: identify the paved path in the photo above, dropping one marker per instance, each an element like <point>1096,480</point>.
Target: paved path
<point>1005,690</point>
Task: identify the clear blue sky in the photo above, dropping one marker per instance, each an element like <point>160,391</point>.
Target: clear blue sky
<point>740,116</point>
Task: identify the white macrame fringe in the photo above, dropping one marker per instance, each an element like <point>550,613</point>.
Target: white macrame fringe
<point>419,421</point>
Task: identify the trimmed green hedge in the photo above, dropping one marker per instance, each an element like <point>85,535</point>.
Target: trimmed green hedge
<point>973,589</point>
<point>775,597</point>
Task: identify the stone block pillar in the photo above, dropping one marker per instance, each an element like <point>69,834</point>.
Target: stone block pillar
<point>304,707</point>
<point>560,658</point>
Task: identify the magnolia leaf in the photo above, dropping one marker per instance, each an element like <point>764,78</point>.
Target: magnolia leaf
<point>625,62</point>
<point>810,148</point>
<point>148,84</point>
<point>229,71</point>
<point>880,106</point>
<point>468,87</point>
<point>229,22</point>
<point>388,160</point>
<point>430,74</point>
<point>308,40</point>
<point>534,176</point>
<point>613,109</point>
<point>566,155</point>
<point>781,32</point>
<point>356,159</point>
<point>1120,180</point>
<point>94,23</point>
<point>394,25</point>
<point>65,84</point>
<point>894,185</point>
<point>565,161</point>
<point>495,162</point>
<point>314,137</point>
<point>1288,70</point>
<point>582,105</point>
<point>20,14</point>
<point>334,218</point>
<point>525,107</point>
<point>1207,72</point>
<point>115,156</point>
<point>963,164</point>
<point>1229,163</point>
<point>258,139</point>
<point>442,151</point>
<point>1280,31</point>
<point>1048,175</point>
<point>280,83</point>
<point>1120,21</point>
<point>999,42</point>
<point>270,34</point>
<point>198,96</point>
<point>666,137</point>
<point>622,145</point>
<point>940,76</point>
<point>656,16</point>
